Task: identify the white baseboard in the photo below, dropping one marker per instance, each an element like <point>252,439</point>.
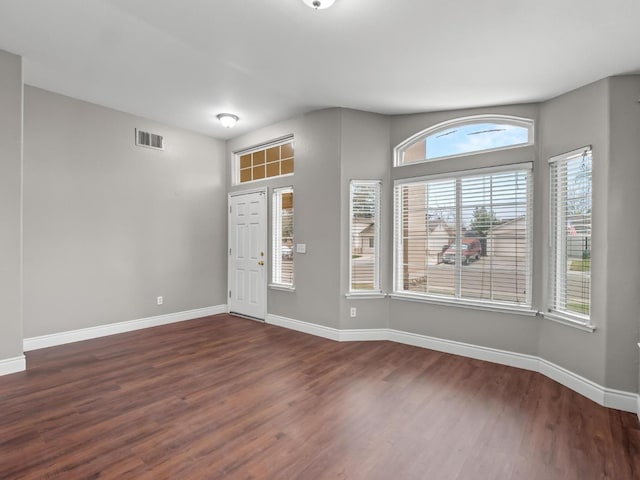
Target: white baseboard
<point>304,327</point>
<point>355,335</point>
<point>503,357</point>
<point>607,397</point>
<point>620,400</point>
<point>54,339</point>
<point>638,402</point>
<point>627,401</point>
<point>364,335</point>
<point>13,365</point>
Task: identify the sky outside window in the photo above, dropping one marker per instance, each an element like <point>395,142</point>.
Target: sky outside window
<point>477,137</point>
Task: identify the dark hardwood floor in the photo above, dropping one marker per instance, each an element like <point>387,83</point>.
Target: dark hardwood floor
<point>224,397</point>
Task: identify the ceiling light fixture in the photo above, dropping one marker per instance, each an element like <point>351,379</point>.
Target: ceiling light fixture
<point>227,120</point>
<point>319,4</point>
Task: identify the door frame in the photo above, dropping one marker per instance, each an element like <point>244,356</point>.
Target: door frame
<point>265,191</point>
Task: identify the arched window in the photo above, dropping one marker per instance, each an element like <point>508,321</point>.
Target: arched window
<point>464,236</point>
<point>464,136</point>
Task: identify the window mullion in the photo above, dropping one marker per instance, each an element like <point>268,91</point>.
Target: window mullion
<point>459,261</point>
<point>491,260</point>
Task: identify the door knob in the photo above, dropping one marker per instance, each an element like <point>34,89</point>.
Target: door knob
<point>260,263</point>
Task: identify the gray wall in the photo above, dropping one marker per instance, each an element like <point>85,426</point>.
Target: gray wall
<point>316,184</point>
<point>496,330</point>
<point>108,226</point>
<point>606,115</point>
<point>623,230</point>
<point>365,155</point>
<point>10,185</point>
<point>568,122</point>
<point>337,145</point>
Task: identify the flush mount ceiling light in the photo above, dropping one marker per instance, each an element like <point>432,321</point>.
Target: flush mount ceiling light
<point>319,4</point>
<point>227,120</point>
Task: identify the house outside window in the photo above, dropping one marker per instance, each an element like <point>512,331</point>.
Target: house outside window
<point>465,237</point>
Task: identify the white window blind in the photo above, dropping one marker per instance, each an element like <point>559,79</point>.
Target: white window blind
<point>465,237</point>
<point>365,236</point>
<point>570,234</point>
<point>282,239</point>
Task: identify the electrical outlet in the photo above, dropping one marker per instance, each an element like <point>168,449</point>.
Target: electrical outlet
<point>160,300</point>
<point>353,312</point>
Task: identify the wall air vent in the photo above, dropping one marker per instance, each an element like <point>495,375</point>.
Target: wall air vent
<point>149,140</point>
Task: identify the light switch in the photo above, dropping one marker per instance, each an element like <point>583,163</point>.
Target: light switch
<point>301,248</point>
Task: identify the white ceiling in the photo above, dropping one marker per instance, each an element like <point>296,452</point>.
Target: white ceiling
<point>183,61</point>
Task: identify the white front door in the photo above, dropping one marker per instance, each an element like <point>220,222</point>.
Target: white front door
<point>248,254</point>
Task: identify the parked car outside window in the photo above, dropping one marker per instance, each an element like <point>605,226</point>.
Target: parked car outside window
<point>470,250</point>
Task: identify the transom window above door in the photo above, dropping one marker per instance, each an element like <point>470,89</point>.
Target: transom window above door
<point>273,159</point>
<point>464,136</point>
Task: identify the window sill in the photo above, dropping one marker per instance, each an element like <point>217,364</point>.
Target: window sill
<point>365,295</point>
<point>526,311</point>
<point>282,288</point>
<point>569,322</point>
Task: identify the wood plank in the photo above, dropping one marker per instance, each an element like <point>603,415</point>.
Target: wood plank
<point>224,397</point>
